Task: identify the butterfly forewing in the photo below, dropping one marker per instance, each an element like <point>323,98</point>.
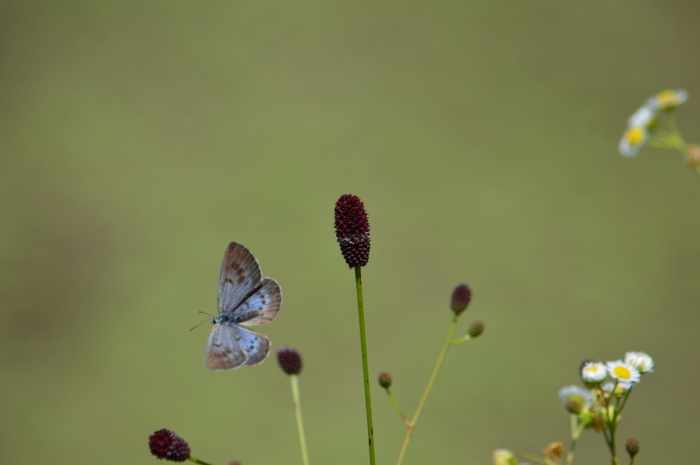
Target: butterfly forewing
<point>240,275</point>
<point>223,350</point>
<point>262,306</point>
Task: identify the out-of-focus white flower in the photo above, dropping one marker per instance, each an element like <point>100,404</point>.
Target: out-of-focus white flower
<point>623,372</point>
<point>575,394</point>
<point>504,457</point>
<point>643,117</point>
<point>619,389</point>
<point>668,99</point>
<point>593,372</point>
<point>632,140</point>
<point>641,361</point>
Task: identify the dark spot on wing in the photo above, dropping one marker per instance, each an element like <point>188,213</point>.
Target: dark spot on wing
<point>228,280</point>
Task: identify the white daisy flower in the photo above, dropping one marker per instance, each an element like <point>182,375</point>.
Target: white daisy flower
<point>593,372</point>
<point>632,140</point>
<point>643,117</point>
<point>641,361</point>
<point>668,99</point>
<point>620,388</point>
<point>575,394</point>
<point>623,372</point>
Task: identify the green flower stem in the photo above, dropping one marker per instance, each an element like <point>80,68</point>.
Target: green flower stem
<point>412,424</point>
<point>531,457</point>
<point>577,428</point>
<point>300,422</point>
<point>462,339</point>
<point>365,367</point>
<point>196,460</point>
<point>671,139</point>
<point>397,406</point>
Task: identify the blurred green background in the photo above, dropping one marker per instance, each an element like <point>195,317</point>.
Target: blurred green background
<point>139,138</point>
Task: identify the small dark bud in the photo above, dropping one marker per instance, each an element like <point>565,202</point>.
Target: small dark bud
<point>460,298</point>
<point>385,380</point>
<point>632,447</point>
<point>289,360</point>
<point>476,329</point>
<point>352,230</point>
<point>573,407</point>
<point>167,445</point>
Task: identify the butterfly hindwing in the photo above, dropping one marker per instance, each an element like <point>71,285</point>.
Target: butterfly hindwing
<point>240,275</point>
<point>260,307</point>
<point>223,351</point>
<point>255,345</point>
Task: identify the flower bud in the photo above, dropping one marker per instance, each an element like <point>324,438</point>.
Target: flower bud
<point>476,329</point>
<point>573,407</point>
<point>554,451</point>
<point>289,360</point>
<point>632,447</point>
<point>167,445</point>
<point>385,380</point>
<point>460,298</point>
<point>692,155</point>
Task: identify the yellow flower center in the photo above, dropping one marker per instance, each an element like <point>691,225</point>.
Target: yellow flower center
<point>622,372</point>
<point>667,98</point>
<point>635,136</point>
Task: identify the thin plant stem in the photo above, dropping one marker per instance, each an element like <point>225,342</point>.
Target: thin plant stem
<point>441,358</point>
<point>397,406</point>
<point>300,421</point>
<point>576,430</point>
<point>196,460</point>
<point>531,457</point>
<point>365,367</point>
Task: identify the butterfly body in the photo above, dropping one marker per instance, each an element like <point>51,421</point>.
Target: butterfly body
<point>244,300</point>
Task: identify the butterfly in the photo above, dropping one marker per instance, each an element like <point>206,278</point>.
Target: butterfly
<point>244,300</point>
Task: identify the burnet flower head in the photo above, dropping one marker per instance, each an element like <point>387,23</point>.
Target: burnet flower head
<point>352,230</point>
<point>641,361</point>
<point>167,445</point>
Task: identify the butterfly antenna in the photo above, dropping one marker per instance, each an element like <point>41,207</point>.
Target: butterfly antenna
<point>198,324</point>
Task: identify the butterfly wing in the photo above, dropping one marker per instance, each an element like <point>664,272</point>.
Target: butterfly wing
<point>262,306</point>
<point>255,345</point>
<point>240,275</point>
<point>223,350</point>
